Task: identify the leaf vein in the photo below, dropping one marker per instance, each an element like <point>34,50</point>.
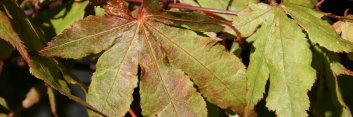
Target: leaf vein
<point>152,55</point>
<point>194,58</point>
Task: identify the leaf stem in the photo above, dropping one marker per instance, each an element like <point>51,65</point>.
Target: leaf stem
<point>184,6</point>
<point>337,17</point>
<point>132,113</point>
<point>345,12</point>
<point>319,3</point>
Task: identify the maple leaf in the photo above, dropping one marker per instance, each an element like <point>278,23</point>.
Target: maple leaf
<point>275,55</point>
<point>281,53</point>
<point>172,59</point>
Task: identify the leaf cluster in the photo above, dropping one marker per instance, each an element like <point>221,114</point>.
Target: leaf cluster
<point>184,62</point>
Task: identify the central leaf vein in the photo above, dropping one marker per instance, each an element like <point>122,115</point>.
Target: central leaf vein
<point>194,58</point>
<point>152,55</point>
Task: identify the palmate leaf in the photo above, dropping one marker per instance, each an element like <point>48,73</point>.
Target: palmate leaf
<point>169,58</point>
<point>281,54</point>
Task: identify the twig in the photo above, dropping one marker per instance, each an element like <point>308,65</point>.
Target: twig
<point>345,12</point>
<point>132,113</point>
<point>319,3</point>
<point>183,6</point>
<point>337,17</point>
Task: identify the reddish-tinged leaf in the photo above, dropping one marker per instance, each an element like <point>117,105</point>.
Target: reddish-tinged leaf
<point>8,34</point>
<point>51,96</point>
<point>166,91</point>
<point>103,35</point>
<point>32,97</point>
<point>216,72</point>
<point>117,8</point>
<point>113,82</point>
<point>164,53</point>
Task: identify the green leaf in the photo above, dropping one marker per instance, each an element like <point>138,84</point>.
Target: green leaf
<point>304,3</point>
<point>4,106</point>
<point>192,20</point>
<point>51,96</point>
<point>251,17</point>
<point>113,82</point>
<point>190,2</point>
<point>281,54</point>
<point>76,38</point>
<point>288,91</point>
<point>99,10</point>
<point>3,103</point>
<point>60,18</point>
<point>168,86</point>
<point>329,67</point>
<point>8,34</point>
<point>213,70</point>
<point>168,57</point>
<point>319,31</point>
<point>230,5</point>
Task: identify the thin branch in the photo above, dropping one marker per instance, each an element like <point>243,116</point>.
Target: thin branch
<point>183,6</point>
<point>337,17</point>
<point>345,12</point>
<point>319,3</point>
<point>132,113</point>
<point>228,23</point>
